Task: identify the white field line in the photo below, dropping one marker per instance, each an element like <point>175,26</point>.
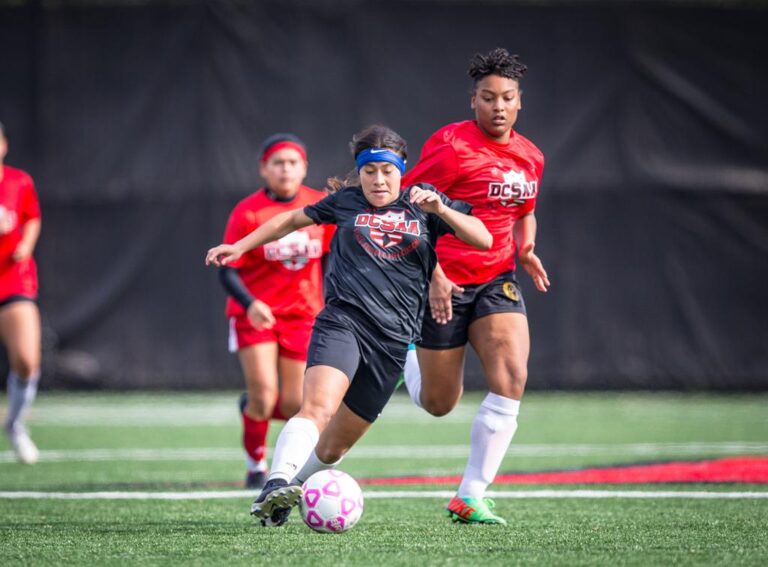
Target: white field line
<point>151,413</point>
<point>519,494</point>
<point>412,452</point>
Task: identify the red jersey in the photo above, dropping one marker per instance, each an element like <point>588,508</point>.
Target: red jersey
<point>18,205</point>
<point>500,181</point>
<point>285,274</point>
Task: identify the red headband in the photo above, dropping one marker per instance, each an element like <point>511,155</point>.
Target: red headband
<point>277,146</point>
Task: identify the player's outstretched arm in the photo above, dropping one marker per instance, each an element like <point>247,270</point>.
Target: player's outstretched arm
<point>274,229</point>
<point>467,228</point>
<point>524,232</point>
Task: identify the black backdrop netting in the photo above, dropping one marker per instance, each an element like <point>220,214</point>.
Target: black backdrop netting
<point>141,125</point>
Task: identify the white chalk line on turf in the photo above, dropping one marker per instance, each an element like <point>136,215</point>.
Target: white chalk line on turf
<point>411,452</point>
<point>406,494</point>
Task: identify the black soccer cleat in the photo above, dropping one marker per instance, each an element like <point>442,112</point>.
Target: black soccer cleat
<point>275,502</point>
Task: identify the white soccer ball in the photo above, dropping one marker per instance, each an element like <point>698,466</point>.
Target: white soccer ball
<point>332,502</point>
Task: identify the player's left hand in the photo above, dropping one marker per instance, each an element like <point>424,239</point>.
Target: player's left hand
<point>222,255</point>
<point>428,201</point>
<point>22,252</point>
<point>534,267</point>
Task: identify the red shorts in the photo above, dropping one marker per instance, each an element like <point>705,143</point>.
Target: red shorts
<point>291,335</point>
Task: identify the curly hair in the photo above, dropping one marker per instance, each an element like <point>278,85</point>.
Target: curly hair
<point>496,62</point>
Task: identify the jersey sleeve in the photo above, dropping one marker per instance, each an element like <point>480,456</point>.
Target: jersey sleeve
<point>29,206</point>
<point>437,225</point>
<point>437,165</point>
<point>324,211</point>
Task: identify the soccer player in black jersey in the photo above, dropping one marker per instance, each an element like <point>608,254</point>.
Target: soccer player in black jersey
<point>381,260</point>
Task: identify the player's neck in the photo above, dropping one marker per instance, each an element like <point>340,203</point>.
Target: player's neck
<point>279,198</point>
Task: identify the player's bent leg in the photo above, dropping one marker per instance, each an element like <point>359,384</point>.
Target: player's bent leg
<point>502,343</point>
<point>291,372</point>
<point>324,388</point>
<point>259,364</point>
<point>20,332</point>
<point>442,378</point>
<point>343,431</point>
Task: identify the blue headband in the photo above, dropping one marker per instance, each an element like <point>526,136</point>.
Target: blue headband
<point>380,154</point>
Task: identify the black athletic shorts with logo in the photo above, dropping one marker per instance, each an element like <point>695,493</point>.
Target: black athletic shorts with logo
<point>500,295</point>
<point>344,338</point>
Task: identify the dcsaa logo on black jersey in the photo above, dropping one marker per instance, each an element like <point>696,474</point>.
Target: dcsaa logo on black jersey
<point>387,229</point>
<point>514,190</point>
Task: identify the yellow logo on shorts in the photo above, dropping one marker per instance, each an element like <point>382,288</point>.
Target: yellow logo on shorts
<point>510,291</point>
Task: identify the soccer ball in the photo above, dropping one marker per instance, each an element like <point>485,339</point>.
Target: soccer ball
<point>332,501</point>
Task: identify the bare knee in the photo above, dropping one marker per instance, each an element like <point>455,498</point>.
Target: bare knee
<point>318,414</point>
<point>512,385</point>
<point>329,453</point>
<point>440,403</point>
<point>25,368</point>
<point>261,406</point>
<point>289,407</point>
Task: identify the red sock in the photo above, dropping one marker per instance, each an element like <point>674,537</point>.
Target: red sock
<point>255,437</point>
<point>277,414</point>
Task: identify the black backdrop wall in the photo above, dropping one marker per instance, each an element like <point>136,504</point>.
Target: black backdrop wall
<point>140,124</point>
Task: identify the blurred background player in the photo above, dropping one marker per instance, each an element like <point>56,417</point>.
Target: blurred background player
<point>19,315</point>
<point>382,258</point>
<point>275,292</point>
<point>476,297</point>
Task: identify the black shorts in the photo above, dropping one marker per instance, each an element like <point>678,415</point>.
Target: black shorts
<point>500,295</point>
<point>15,298</point>
<point>343,339</point>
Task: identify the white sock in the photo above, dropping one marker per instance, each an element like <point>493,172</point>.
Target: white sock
<point>21,394</point>
<point>294,446</point>
<point>252,465</point>
<point>313,465</point>
<point>412,375</point>
<point>492,432</point>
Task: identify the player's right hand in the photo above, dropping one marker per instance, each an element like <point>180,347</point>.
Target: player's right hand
<point>441,291</point>
<point>222,255</point>
<point>260,315</point>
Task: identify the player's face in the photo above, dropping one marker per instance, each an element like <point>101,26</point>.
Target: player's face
<point>284,171</point>
<point>381,182</point>
<point>496,102</point>
<point>3,148</point>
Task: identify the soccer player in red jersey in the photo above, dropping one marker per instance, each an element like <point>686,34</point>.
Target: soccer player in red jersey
<point>275,292</point>
<point>19,315</point>
<point>476,296</point>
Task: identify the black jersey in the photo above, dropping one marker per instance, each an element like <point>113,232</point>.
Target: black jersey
<point>382,258</point>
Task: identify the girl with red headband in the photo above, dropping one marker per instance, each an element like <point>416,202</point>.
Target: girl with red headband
<point>275,292</point>
<point>19,315</point>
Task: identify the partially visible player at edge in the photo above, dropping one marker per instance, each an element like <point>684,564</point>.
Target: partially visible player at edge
<point>476,297</point>
<point>19,315</point>
<point>275,292</point>
<point>382,258</point>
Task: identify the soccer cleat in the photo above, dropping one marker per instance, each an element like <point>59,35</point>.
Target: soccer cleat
<point>275,502</point>
<point>25,449</point>
<point>473,511</point>
<point>255,479</point>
